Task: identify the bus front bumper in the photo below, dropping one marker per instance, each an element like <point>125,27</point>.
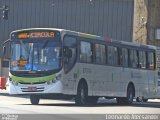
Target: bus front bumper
<point>35,88</point>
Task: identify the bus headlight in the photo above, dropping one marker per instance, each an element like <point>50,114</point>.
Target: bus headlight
<point>14,83</point>
<point>58,77</point>
<point>49,82</point>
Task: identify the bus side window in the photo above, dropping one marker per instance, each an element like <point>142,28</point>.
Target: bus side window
<point>100,56</point>
<point>150,60</point>
<point>86,52</point>
<point>120,56</point>
<point>133,58</point>
<point>112,55</point>
<point>142,59</point>
<point>124,57</point>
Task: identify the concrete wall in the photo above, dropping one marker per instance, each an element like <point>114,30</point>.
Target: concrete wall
<point>140,21</point>
<point>153,21</point>
<point>108,18</point>
<point>111,18</point>
<point>146,21</point>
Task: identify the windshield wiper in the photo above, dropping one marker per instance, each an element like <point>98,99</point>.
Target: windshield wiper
<point>26,49</point>
<point>24,46</point>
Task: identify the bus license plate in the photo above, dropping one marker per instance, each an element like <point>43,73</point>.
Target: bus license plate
<point>32,88</point>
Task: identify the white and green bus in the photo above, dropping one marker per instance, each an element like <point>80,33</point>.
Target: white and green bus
<point>48,61</point>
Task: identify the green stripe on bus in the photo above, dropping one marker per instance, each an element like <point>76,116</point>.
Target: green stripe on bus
<point>33,80</point>
<point>88,35</point>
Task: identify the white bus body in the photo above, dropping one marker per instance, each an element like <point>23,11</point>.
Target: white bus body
<point>93,67</point>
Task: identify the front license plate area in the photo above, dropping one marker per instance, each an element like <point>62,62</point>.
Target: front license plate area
<point>32,88</point>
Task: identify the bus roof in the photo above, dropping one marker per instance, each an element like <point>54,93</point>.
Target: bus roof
<point>91,36</point>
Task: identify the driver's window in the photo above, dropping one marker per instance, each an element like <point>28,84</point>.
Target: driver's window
<point>69,45</point>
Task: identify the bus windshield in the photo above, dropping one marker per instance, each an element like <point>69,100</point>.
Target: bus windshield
<point>37,55</point>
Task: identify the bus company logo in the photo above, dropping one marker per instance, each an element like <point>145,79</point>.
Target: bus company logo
<point>9,117</point>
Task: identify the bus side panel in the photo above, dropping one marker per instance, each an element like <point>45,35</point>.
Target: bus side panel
<point>142,83</point>
<point>152,83</point>
<point>102,80</point>
<point>125,78</point>
<point>69,81</point>
<point>137,77</point>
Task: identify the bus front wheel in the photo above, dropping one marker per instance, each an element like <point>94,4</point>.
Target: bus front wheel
<point>82,94</point>
<point>34,99</point>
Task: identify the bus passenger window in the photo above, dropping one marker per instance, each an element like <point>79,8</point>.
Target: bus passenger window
<point>112,55</point>
<point>100,54</point>
<point>142,59</point>
<point>150,62</point>
<point>86,52</point>
<point>125,57</point>
<point>133,58</point>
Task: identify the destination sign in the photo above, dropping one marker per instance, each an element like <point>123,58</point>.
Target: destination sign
<point>36,35</point>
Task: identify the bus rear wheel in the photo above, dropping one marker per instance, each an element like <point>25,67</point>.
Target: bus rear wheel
<point>129,99</point>
<point>130,95</point>
<point>34,99</point>
<point>82,94</point>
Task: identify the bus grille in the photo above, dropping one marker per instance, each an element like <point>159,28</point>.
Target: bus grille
<point>38,89</point>
<point>32,83</point>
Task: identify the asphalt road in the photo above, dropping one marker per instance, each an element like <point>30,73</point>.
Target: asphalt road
<point>21,105</point>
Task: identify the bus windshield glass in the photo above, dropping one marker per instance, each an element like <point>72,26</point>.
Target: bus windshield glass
<point>35,55</point>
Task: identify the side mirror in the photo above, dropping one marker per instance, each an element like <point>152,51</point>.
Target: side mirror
<point>67,52</point>
<point>3,53</point>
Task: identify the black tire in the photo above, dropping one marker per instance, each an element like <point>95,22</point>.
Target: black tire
<point>34,99</point>
<point>130,95</point>
<point>82,94</point>
<point>145,100</point>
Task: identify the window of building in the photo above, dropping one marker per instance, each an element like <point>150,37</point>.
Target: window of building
<point>85,52</point>
<point>125,57</point>
<point>112,55</point>
<point>100,56</point>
